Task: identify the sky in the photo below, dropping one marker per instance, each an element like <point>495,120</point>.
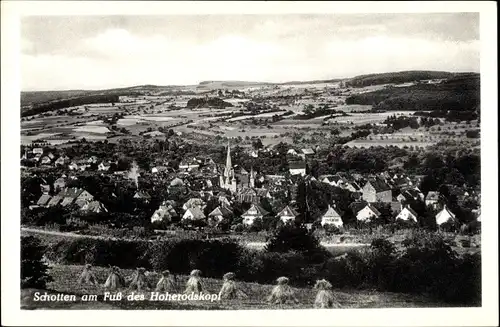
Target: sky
<point>98,52</point>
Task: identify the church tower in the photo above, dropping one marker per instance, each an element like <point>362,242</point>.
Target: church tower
<point>228,179</point>
<point>252,178</point>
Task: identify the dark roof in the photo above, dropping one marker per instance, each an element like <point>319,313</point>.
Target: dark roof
<point>379,185</point>
<point>297,165</point>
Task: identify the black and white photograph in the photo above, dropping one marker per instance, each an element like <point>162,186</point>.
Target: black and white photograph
<point>251,161</point>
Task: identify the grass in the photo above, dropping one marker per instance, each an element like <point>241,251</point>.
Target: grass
<point>66,276</point>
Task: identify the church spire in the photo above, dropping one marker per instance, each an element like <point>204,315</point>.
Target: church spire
<point>229,165</point>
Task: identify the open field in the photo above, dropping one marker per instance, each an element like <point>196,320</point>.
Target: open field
<point>66,276</point>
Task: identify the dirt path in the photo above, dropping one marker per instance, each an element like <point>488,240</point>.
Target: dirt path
<point>252,245</point>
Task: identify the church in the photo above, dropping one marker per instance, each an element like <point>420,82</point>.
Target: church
<point>232,181</point>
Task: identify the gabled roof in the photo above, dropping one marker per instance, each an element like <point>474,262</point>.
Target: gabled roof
<point>55,200</point>
<point>220,211</point>
<point>373,209</point>
<point>142,195</point>
<point>378,184</point>
<point>287,211</point>
<point>261,191</point>
<point>72,192</point>
<point>330,212</point>
<point>307,151</point>
<point>410,210</point>
<point>446,210</point>
<point>258,209</point>
<point>94,206</point>
<point>195,212</point>
<point>44,200</point>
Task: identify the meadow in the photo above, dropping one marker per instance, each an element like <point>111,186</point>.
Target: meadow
<point>66,277</point>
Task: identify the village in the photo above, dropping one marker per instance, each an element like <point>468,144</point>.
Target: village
<point>201,193</point>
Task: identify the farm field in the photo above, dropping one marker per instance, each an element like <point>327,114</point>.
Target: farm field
<point>66,276</point>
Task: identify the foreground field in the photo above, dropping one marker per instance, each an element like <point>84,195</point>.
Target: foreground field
<point>66,276</point>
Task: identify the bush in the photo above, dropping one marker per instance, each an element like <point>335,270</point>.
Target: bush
<point>33,269</point>
<point>298,239</point>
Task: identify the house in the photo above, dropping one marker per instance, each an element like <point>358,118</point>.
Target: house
<point>331,217</point>
<point>45,160</point>
<point>291,152</point>
<point>254,212</point>
<point>61,161</point>
<point>193,213</point>
<point>51,156</point>
<point>254,154</point>
<point>334,180</point>
<point>94,207</point>
<point>73,166</point>
<point>59,184</point>
<point>224,201</point>
<point>75,195</point>
<point>368,213</point>
<point>445,216</point>
<point>103,167</point>
<point>92,160</point>
<point>44,187</point>
<point>194,202</point>
<point>176,182</point>
<point>407,214</point>
<point>189,164</point>
<point>248,195</point>
<point>287,214</point>
<point>219,213</point>
<point>432,199</point>
<point>54,201</point>
<point>377,190</point>
<point>306,153</point>
<point>297,168</point>
<point>37,150</point>
<point>164,213</point>
<point>44,200</point>
<point>142,195</point>
<point>351,187</point>
<point>159,169</point>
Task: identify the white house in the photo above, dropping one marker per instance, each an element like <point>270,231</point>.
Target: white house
<point>194,202</point>
<point>253,213</point>
<point>368,213</point>
<point>444,216</point>
<point>287,215</point>
<point>331,217</point>
<point>163,213</point>
<point>407,214</point>
<point>193,213</point>
<point>297,168</point>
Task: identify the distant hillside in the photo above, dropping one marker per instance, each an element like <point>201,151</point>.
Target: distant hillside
<point>71,102</point>
<point>396,77</point>
<point>458,93</point>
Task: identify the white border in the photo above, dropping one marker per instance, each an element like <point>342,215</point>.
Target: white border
<point>487,315</point>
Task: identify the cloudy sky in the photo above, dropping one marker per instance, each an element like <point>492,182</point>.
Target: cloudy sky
<point>91,52</point>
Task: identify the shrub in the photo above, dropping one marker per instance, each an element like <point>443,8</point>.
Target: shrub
<point>33,269</point>
<point>299,239</point>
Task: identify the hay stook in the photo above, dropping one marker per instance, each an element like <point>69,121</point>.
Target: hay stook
<point>166,283</point>
<point>87,276</point>
<point>230,289</point>
<point>138,280</point>
<point>282,293</point>
<point>193,284</point>
<point>115,280</point>
<point>324,298</point>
